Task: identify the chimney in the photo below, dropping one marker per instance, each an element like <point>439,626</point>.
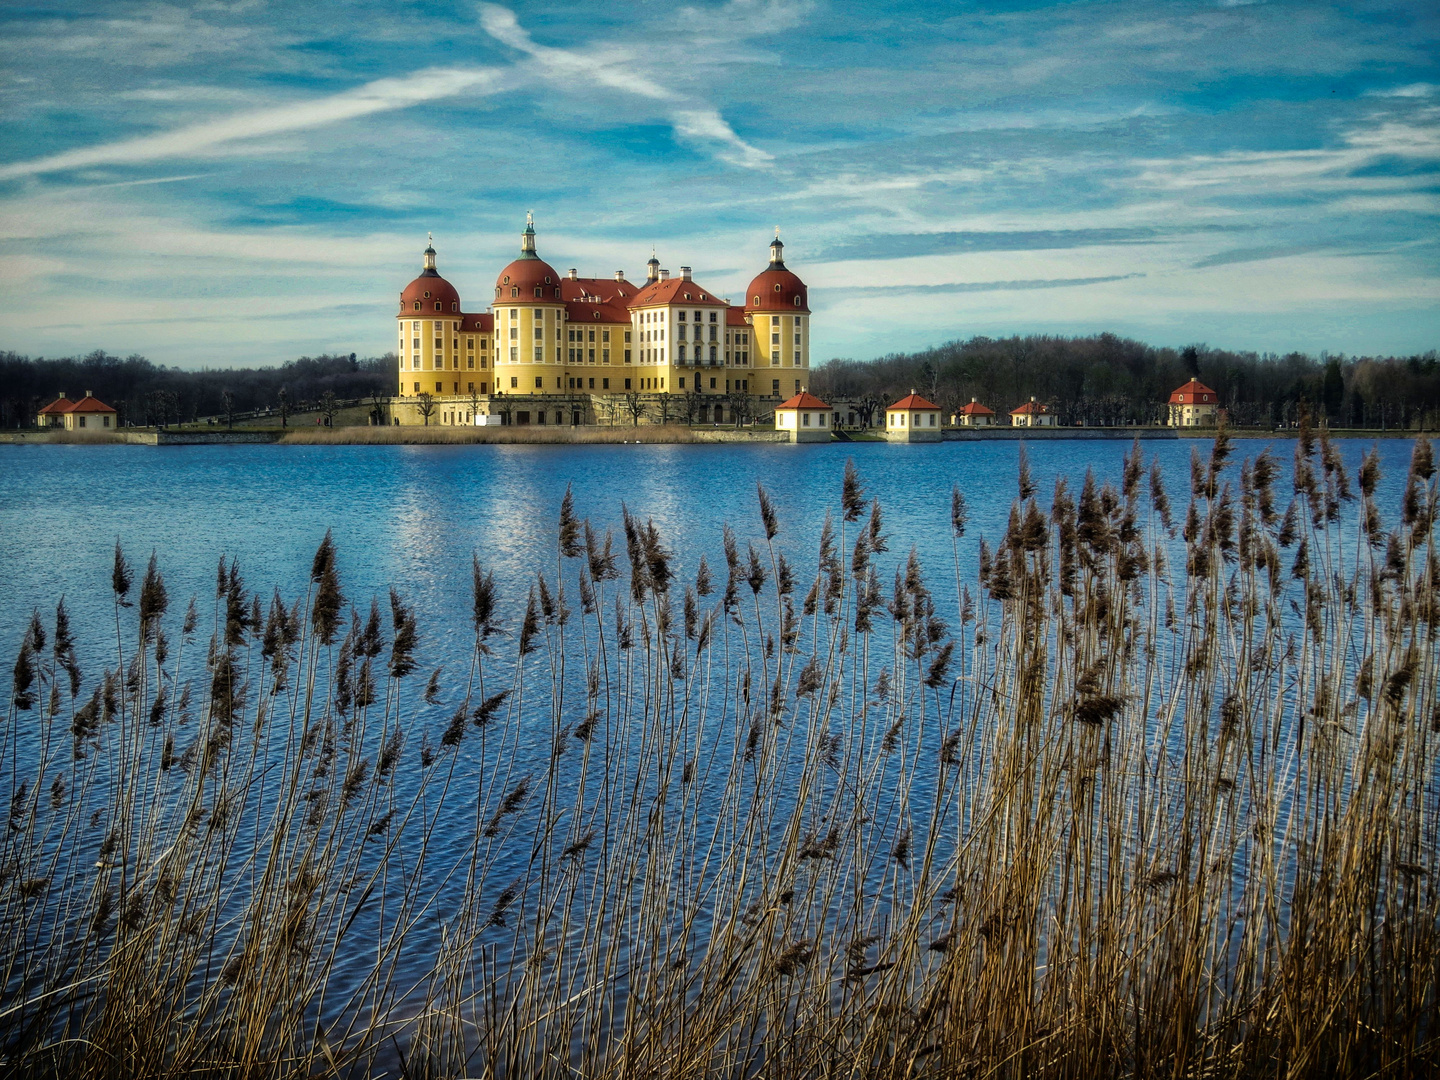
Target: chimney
<point>60,395</point>
<point>573,274</point>
<point>684,273</point>
<point>912,390</point>
<point>619,275</point>
<point>664,275</point>
<point>88,394</point>
<point>972,401</point>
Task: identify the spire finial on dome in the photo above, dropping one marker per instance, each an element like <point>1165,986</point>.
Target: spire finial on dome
<point>430,270</point>
<point>527,238</point>
<point>777,252</point>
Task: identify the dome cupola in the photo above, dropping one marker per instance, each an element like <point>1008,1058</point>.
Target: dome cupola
<point>429,293</point>
<point>528,277</point>
<point>776,288</point>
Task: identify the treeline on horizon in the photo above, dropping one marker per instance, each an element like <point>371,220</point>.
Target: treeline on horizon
<point>1105,380</point>
<point>145,393</point>
<point>1101,380</point>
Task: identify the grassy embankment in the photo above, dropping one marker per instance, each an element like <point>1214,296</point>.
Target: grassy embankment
<point>1154,796</point>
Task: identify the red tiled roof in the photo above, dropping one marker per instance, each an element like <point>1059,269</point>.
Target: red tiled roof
<point>735,316</point>
<point>675,291</point>
<point>607,290</point>
<point>62,404</point>
<point>913,400</point>
<point>428,288</point>
<point>89,404</point>
<point>1029,408</point>
<point>478,324</point>
<point>527,275</point>
<point>777,290</point>
<point>1194,392</point>
<point>976,409</point>
<point>803,400</point>
<point>593,311</point>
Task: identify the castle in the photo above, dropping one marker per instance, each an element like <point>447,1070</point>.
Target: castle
<point>566,349</point>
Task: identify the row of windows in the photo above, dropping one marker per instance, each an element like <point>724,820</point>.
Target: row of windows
<point>582,383</point>
<point>440,364</point>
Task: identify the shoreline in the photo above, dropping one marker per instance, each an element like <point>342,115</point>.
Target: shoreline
<point>591,436</point>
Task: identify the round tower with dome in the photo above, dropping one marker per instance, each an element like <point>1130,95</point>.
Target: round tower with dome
<point>442,351</point>
<point>777,307</point>
<point>529,323</point>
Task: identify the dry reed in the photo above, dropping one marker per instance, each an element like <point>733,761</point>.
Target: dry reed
<point>1149,798</point>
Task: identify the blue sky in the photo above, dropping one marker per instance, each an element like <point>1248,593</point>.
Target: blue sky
<point>241,183</point>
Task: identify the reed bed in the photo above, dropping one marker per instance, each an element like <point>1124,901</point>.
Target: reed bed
<point>1154,795</point>
<point>510,433</point>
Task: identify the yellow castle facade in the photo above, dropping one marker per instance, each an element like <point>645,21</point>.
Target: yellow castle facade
<point>569,346</point>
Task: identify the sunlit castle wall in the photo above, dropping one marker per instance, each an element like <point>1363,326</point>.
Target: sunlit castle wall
<point>777,305</point>
<point>442,351</point>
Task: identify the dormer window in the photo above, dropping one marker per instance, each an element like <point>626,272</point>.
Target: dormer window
<point>756,300</point>
<point>538,291</point>
<point>514,291</point>
<point>797,301</point>
<point>417,305</point>
<point>439,306</point>
<point>454,305</point>
<point>777,286</point>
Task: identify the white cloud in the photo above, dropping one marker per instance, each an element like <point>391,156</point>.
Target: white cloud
<point>616,69</point>
<point>197,139</point>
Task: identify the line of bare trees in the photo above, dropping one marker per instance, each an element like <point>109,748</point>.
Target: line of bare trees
<point>1105,380</point>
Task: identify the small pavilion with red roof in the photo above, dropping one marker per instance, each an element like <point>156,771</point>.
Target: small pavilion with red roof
<point>87,414</point>
<point>913,419</point>
<point>1032,414</point>
<point>805,417</point>
<point>1194,405</point>
<point>975,415</point>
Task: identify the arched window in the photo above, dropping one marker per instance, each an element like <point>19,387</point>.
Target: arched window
<point>455,305</point>
<point>417,305</point>
<point>797,300</point>
<point>756,300</point>
<point>439,306</point>
<point>514,292</point>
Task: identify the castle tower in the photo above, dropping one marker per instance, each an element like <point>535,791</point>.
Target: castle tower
<point>777,307</point>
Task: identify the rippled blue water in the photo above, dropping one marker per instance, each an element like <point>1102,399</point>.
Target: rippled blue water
<point>412,515</point>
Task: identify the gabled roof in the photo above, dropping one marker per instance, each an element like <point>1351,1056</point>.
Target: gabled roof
<point>89,404</point>
<point>1194,392</point>
<point>62,404</point>
<point>735,316</point>
<point>803,400</point>
<point>913,400</point>
<point>675,291</point>
<point>1030,408</point>
<point>483,323</point>
<point>976,409</point>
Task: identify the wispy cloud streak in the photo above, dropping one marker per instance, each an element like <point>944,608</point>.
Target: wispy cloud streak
<point>694,122</point>
<point>195,140</point>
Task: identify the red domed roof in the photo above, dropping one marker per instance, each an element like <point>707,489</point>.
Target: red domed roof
<point>777,289</point>
<point>529,277</point>
<point>524,276</point>
<point>429,293</point>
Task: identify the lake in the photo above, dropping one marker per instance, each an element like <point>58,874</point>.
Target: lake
<point>411,516</point>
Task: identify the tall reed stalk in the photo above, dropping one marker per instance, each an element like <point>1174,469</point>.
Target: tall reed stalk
<point>1147,798</point>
